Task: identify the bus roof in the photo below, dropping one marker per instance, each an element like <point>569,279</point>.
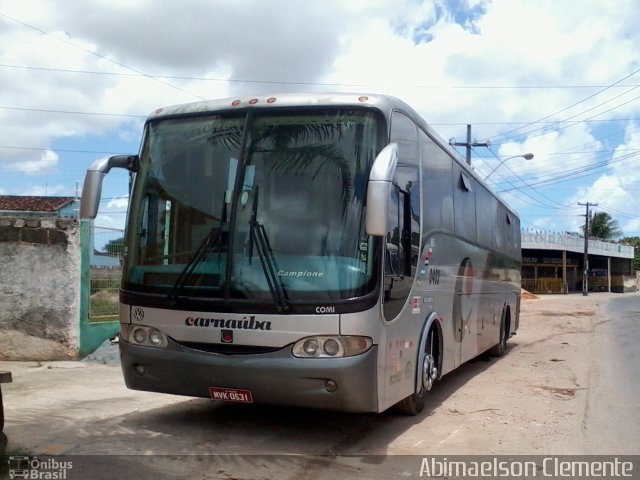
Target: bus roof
<point>384,103</point>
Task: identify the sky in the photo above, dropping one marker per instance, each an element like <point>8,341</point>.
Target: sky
<point>556,78</point>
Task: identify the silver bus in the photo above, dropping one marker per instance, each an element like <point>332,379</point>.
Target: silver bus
<point>326,251</point>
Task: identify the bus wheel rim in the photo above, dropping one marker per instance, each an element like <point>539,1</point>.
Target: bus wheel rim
<point>429,371</point>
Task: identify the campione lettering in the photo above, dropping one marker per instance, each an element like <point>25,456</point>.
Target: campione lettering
<point>232,324</point>
<point>300,274</point>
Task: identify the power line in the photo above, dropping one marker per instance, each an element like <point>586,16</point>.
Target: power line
<point>141,116</point>
<point>588,169</point>
<point>543,131</point>
<point>65,150</point>
<point>597,154</point>
<point>559,206</point>
<point>291,82</point>
<point>505,134</point>
<point>108,228</point>
<point>104,57</point>
<point>620,213</point>
<point>555,122</point>
<point>71,112</point>
<point>554,154</point>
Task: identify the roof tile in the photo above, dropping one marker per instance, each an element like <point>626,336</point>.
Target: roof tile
<point>33,204</point>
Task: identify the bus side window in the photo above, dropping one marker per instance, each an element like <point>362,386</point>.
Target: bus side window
<point>403,236</point>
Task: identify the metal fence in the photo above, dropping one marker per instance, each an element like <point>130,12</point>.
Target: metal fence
<point>555,285</point>
<point>104,291</point>
<point>106,270</point>
<point>543,285</point>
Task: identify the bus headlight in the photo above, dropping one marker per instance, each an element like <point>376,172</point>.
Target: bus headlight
<point>331,346</point>
<point>145,336</point>
<point>139,335</point>
<point>310,347</point>
<point>156,338</point>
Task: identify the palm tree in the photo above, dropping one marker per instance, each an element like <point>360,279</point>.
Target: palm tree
<point>294,148</point>
<point>603,226</point>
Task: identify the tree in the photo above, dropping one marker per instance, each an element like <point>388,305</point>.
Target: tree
<point>115,247</point>
<point>635,242</point>
<point>602,226</point>
<point>295,147</point>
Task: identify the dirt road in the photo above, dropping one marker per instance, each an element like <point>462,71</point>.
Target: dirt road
<point>548,395</point>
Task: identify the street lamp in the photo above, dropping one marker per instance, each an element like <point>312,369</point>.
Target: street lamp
<point>526,156</point>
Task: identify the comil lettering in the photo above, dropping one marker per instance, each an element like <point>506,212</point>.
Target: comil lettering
<point>325,309</point>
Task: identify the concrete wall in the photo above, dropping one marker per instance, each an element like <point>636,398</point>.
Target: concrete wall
<point>39,288</point>
<point>573,243</point>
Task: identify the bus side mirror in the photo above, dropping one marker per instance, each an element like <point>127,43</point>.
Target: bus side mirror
<point>379,189</point>
<point>92,187</point>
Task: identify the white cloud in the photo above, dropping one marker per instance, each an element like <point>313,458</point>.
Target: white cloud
<point>616,192</point>
<point>47,163</point>
<point>110,221</point>
<point>43,190</point>
<point>544,223</point>
<point>423,52</point>
<point>626,155</point>
<point>550,149</point>
<point>112,214</point>
<point>631,226</point>
<point>121,203</point>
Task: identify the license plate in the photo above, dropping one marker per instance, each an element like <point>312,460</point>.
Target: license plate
<point>231,394</point>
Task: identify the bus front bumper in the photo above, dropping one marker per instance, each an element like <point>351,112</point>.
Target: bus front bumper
<point>276,378</point>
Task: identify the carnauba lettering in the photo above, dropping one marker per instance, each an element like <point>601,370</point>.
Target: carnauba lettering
<point>243,324</point>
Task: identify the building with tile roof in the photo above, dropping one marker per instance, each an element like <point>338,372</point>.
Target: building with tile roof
<point>38,206</point>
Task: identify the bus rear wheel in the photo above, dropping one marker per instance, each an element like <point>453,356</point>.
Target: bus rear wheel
<point>501,348</point>
<point>414,403</point>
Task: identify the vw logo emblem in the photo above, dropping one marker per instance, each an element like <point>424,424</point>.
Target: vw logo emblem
<point>138,314</point>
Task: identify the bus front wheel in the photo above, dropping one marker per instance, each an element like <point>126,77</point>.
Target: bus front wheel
<point>414,403</point>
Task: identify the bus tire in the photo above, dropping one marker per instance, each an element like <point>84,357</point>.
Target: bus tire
<point>500,349</point>
<point>414,403</point>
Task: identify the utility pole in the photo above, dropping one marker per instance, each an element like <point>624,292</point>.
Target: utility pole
<point>585,277</point>
<point>468,144</point>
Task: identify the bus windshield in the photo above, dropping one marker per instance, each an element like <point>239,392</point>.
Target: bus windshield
<point>261,206</point>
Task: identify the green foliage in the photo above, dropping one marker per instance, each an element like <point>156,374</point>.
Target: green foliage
<point>294,148</point>
<point>635,241</point>
<point>115,247</point>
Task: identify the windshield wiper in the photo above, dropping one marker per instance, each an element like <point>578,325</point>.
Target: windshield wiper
<point>258,235</point>
<point>209,242</point>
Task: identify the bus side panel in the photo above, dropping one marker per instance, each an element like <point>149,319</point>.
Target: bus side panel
<point>447,283</point>
<point>399,353</point>
<point>451,279</point>
<point>369,324</point>
<point>468,273</point>
<point>436,275</point>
